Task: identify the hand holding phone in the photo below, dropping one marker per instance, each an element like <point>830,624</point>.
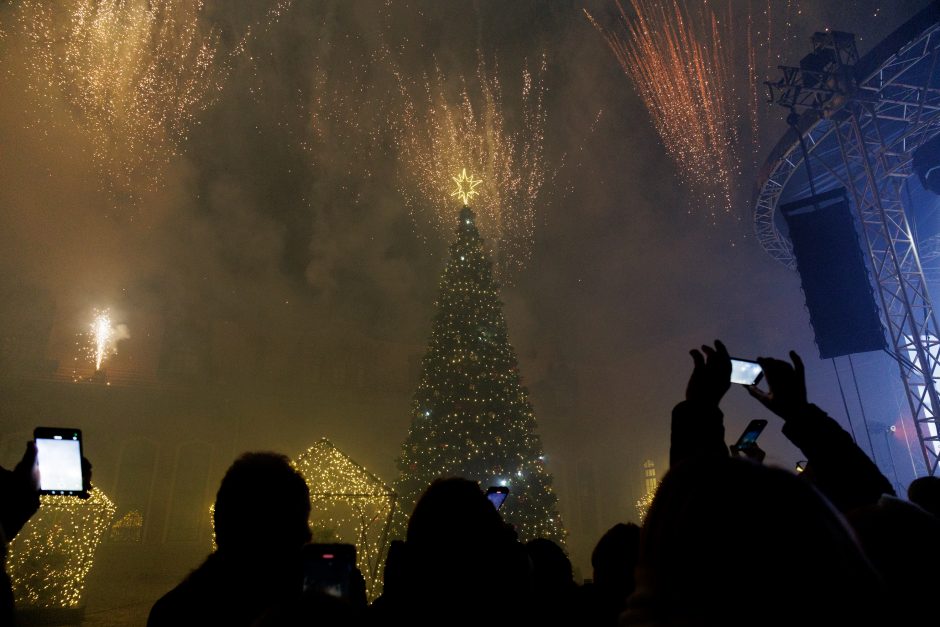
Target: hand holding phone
<point>748,439</point>
<point>330,568</point>
<point>786,396</point>
<point>710,378</point>
<point>497,495</point>
<point>59,454</point>
<point>745,371</point>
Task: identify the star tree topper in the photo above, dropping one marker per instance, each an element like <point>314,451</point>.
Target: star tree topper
<point>466,187</point>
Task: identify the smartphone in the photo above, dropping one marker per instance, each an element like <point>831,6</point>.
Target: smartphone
<point>750,435</point>
<point>59,453</point>
<point>497,495</point>
<point>745,371</point>
<point>329,568</point>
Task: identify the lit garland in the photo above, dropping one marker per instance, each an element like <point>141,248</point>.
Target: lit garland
<point>128,527</point>
<point>51,557</point>
<point>643,505</point>
<point>650,486</point>
<point>346,499</point>
<point>471,415</point>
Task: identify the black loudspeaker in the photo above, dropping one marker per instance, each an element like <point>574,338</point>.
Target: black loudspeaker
<point>832,271</point>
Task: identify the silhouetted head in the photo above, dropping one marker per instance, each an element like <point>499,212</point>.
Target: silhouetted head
<point>458,547</point>
<point>925,491</point>
<point>454,514</point>
<point>894,535</point>
<point>262,506</point>
<point>551,568</point>
<point>396,567</point>
<point>731,542</point>
<point>615,556</point>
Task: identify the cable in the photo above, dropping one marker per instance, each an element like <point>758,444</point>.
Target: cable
<point>862,408</point>
<point>845,404</point>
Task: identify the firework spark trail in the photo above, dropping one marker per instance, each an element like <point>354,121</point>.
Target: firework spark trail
<point>103,337</point>
<point>681,57</point>
<point>135,75</point>
<point>440,134</point>
<point>102,333</point>
<point>677,59</point>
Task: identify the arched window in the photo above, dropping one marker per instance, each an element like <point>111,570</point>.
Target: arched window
<point>187,520</point>
<point>132,494</point>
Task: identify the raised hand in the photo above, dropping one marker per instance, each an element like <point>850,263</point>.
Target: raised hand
<point>86,477</point>
<point>750,451</point>
<point>711,377</point>
<point>786,395</point>
<point>27,470</point>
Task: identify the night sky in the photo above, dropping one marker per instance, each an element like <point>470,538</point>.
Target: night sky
<point>281,221</point>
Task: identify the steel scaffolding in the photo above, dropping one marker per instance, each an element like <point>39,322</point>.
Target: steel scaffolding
<point>861,120</point>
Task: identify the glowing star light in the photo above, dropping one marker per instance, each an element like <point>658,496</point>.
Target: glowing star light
<point>466,187</point>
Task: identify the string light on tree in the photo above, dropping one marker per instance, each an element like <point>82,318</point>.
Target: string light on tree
<point>471,415</point>
<point>49,560</point>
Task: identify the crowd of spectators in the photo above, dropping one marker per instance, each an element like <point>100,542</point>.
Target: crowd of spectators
<point>727,540</point>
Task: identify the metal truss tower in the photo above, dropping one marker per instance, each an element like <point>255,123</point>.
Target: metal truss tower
<point>860,120</point>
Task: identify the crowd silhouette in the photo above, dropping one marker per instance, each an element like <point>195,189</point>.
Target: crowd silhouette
<point>727,540</point>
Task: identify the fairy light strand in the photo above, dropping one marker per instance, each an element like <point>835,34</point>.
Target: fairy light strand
<point>49,560</point>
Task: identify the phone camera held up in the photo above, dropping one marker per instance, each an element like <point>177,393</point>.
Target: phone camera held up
<point>330,568</point>
<point>497,495</point>
<point>59,453</point>
<point>745,371</point>
<point>748,439</point>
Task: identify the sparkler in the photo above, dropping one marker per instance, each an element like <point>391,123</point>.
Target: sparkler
<point>104,337</point>
<point>50,559</point>
<point>443,133</point>
<point>103,334</point>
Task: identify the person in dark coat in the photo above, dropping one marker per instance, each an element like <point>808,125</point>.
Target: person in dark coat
<point>19,500</point>
<point>836,466</point>
<point>262,510</point>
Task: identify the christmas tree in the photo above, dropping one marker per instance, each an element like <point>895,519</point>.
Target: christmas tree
<point>471,416</point>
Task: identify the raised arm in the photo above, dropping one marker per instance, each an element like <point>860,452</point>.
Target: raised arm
<point>836,465</point>
<point>697,422</point>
